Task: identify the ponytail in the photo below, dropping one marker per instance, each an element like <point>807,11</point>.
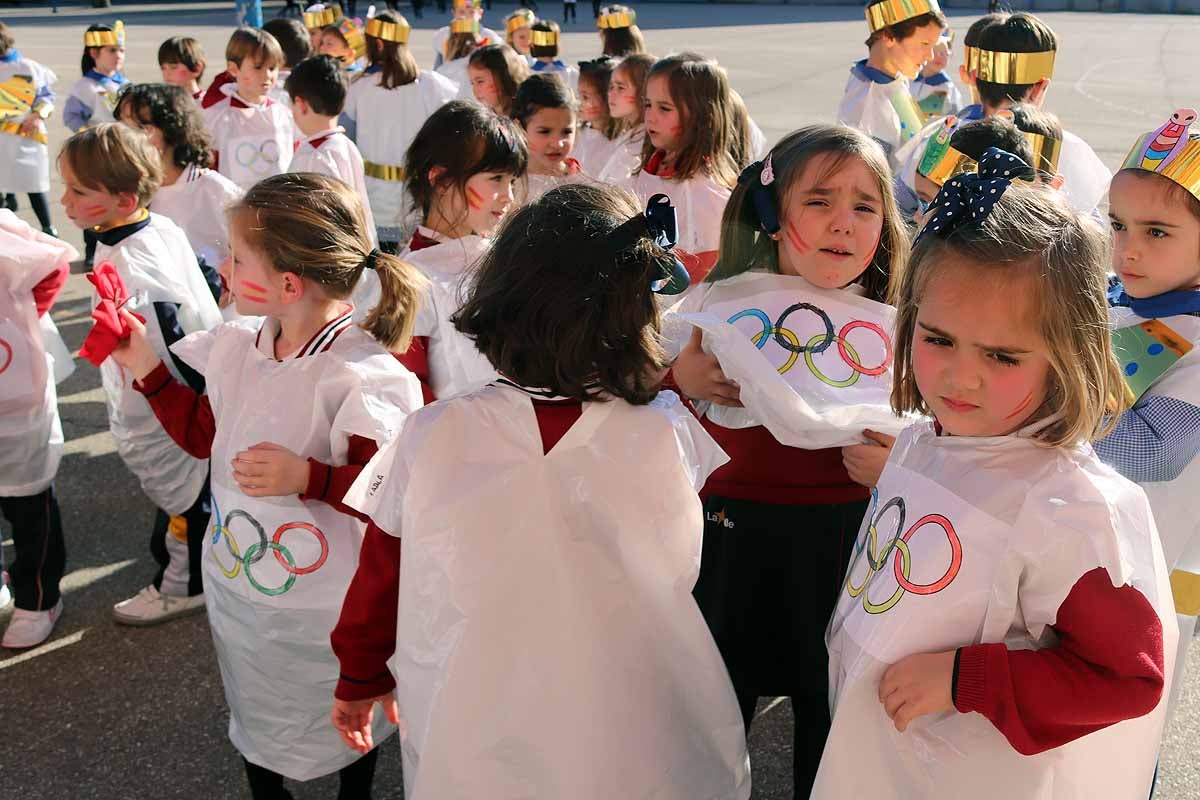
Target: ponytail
<point>401,285</point>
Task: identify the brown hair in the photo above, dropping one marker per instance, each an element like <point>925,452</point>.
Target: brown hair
<point>1015,33</point>
<point>700,90</point>
<point>397,67</point>
<point>621,42</point>
<point>115,158</point>
<point>1175,194</point>
<point>172,110</point>
<point>6,40</point>
<point>554,306</point>
<point>247,42</point>
<point>1031,233</point>
<point>744,244</point>
<point>314,226</point>
<point>508,69</point>
<point>597,74</point>
<point>636,67</point>
<point>459,45</point>
<point>182,50</point>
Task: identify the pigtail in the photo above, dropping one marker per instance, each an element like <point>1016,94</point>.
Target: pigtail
<point>743,244</point>
<point>401,287</point>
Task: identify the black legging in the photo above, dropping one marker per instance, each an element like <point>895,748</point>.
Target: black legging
<point>354,780</point>
<point>39,204</point>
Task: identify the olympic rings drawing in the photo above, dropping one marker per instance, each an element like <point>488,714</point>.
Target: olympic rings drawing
<point>8,356</point>
<point>256,551</point>
<point>819,343</point>
<point>247,154</point>
<point>902,564</point>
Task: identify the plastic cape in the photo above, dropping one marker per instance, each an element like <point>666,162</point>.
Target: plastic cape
<point>592,149</point>
<point>927,94</point>
<point>31,439</point>
<point>537,185</point>
<point>338,158</point>
<point>625,159</point>
<point>821,397</point>
<point>198,203</point>
<point>547,629</point>
<point>99,98</point>
<point>699,203</point>
<point>971,540</point>
<point>456,72</point>
<point>24,160</point>
<point>253,142</point>
<point>271,613</point>
<point>157,265</point>
<point>884,111</point>
<point>1085,177</point>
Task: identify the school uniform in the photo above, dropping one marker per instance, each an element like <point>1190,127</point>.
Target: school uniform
<point>27,89</point>
<point>568,73</point>
<point>537,184</point>
<point>937,95</point>
<point>251,141</point>
<point>332,153</point>
<point>92,99</point>
<point>456,72</point>
<point>881,106</point>
<point>198,202</point>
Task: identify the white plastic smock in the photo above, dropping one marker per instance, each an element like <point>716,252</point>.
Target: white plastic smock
<point>198,202</point>
<point>814,365</point>
<point>886,112</point>
<point>276,569</point>
<point>157,265</point>
<point>625,157</point>
<point>31,438</point>
<point>24,161</point>
<point>972,540</point>
<point>548,645</point>
<point>592,149</point>
<point>252,141</point>
<point>699,203</point>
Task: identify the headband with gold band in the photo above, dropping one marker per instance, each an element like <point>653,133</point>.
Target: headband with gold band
<point>464,25</point>
<point>389,31</point>
<point>940,162</point>
<point>544,39</point>
<point>1013,68</point>
<point>321,16</point>
<point>351,30</point>
<point>892,12</point>
<point>521,18</point>
<point>113,38</point>
<point>1046,151</point>
<point>1170,151</point>
<point>468,4</point>
<point>620,19</point>
<point>971,59</point>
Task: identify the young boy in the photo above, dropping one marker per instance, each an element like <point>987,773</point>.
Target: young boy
<point>544,49</point>
<point>877,99</point>
<point>958,148</point>
<point>110,173</point>
<point>252,134</point>
<point>317,87</point>
<point>934,90</point>
<point>181,60</point>
<point>296,45</point>
<point>463,9</point>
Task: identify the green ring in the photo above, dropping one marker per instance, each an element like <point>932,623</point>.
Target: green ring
<point>821,376</point>
<point>291,578</point>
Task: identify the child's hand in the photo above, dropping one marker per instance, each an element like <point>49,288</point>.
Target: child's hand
<point>268,470</point>
<point>135,353</point>
<point>352,718</point>
<point>864,462</point>
<point>698,375</point>
<point>30,125</point>
<point>918,685</point>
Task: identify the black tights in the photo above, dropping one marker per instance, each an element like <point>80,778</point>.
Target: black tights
<point>39,204</point>
<point>354,780</point>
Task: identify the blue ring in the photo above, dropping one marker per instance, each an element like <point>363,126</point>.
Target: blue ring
<point>762,317</point>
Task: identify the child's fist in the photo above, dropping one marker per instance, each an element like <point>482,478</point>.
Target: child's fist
<point>918,685</point>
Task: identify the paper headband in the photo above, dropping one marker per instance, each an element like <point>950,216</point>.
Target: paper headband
<point>351,30</point>
<point>388,31</point>
<point>544,39</point>
<point>464,25</point>
<point>113,38</point>
<point>459,4</point>
<point>1010,68</point>
<point>941,162</point>
<point>619,19</point>
<point>1045,151</point>
<point>891,12</point>
<point>1169,151</point>
<point>321,16</point>
<point>522,18</point>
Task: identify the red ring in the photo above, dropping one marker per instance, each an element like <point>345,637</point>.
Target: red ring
<point>854,365</point>
<point>8,360</point>
<point>315,531</point>
<point>956,555</point>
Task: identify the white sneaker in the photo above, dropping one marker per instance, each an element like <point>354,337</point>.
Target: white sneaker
<point>151,607</point>
<point>5,593</point>
<point>29,628</point>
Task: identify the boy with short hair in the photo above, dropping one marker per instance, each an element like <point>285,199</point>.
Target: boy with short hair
<point>110,173</point>
<point>252,134</point>
<point>294,41</point>
<point>181,59</point>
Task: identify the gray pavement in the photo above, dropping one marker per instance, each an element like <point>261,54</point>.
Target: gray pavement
<point>102,711</point>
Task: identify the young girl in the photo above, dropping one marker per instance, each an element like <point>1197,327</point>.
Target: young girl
<point>93,97</point>
<point>597,128</point>
<point>317,18</point>
<point>546,111</point>
<point>1002,626</point>
<point>495,71</point>
<point>386,105</point>
<point>544,48</point>
<point>627,107</point>
<point>24,155</point>
<point>192,196</point>
<point>550,615</point>
<point>689,151</point>
<point>814,227</point>
<point>619,34</point>
<point>464,38</point>
<point>517,31</point>
<point>346,42</point>
<point>279,471</point>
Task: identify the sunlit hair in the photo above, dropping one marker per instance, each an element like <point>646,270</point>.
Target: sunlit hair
<point>397,66</point>
<point>635,68</point>
<point>508,69</point>
<point>116,159</point>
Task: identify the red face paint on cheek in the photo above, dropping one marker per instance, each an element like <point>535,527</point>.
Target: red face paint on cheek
<point>797,240</point>
<point>474,199</point>
<point>93,210</point>
<point>253,293</point>
<point>1022,406</point>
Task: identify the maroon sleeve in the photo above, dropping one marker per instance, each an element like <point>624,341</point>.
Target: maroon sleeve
<point>329,484</point>
<point>416,360</point>
<point>365,636</point>
<point>1107,667</point>
<point>214,94</point>
<point>49,287</point>
<point>185,415</point>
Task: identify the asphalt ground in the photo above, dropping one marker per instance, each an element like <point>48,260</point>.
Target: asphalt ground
<point>102,711</point>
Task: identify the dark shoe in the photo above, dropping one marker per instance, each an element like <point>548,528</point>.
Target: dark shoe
<point>50,230</point>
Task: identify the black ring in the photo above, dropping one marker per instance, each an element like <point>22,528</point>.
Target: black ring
<point>878,563</point>
<point>262,534</point>
<point>800,348</point>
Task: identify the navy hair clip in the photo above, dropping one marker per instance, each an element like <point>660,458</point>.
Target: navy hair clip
<point>660,225</point>
<point>760,175</point>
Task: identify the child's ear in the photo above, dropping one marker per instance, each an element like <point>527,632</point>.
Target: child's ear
<point>435,175</point>
<point>301,104</point>
<point>1037,93</point>
<point>127,203</point>
<point>232,68</point>
<point>199,69</point>
<point>964,76</point>
<point>293,288</point>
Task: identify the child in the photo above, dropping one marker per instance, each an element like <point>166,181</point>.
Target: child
<point>597,128</point>
<point>877,100</point>
<point>546,111</point>
<point>110,173</point>
<point>252,134</point>
<point>181,59</point>
<point>495,71</point>
<point>24,156</point>
<point>958,149</point>
<point>346,42</point>
<point>1044,133</point>
<point>1001,636</point>
<point>544,49</point>
<point>933,89</point>
<point>1155,217</point>
<point>386,106</point>
<point>94,96</point>
<point>191,195</point>
<point>627,105</point>
<point>317,18</point>
<point>814,223</point>
<point>688,154</point>
<point>33,269</point>
<point>517,31</point>
<point>579,617</point>
<point>619,34</point>
<point>318,90</point>
<point>296,45</point>
<point>463,10</point>
<point>463,40</point>
<point>282,468</point>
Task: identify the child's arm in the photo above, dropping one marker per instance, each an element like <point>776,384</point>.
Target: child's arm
<point>1153,441</point>
<point>49,287</point>
<point>76,114</point>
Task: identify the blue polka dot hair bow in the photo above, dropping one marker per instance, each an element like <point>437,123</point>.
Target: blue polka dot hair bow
<point>969,198</point>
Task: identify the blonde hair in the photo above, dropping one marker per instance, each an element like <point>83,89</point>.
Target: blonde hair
<point>313,225</point>
<point>115,158</point>
<point>247,42</point>
<point>1031,233</point>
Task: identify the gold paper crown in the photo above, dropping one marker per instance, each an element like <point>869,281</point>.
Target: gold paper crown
<point>544,39</point>
<point>1046,151</point>
<point>1170,151</point>
<point>353,34</point>
<point>468,3</point>
<point>464,25</point>
<point>619,19</point>
<point>950,164</point>
<point>328,15</point>
<point>971,59</point>
<point>389,31</point>
<point>113,38</point>
<point>1012,68</point>
<point>891,12</point>
<point>521,18</point>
